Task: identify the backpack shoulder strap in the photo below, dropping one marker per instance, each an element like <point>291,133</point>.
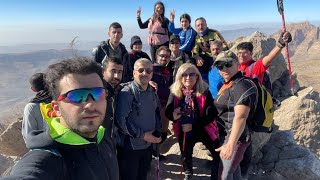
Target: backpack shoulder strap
<point>134,92</point>
<point>250,68</point>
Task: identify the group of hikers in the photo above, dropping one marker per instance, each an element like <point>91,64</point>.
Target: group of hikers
<point>106,118</point>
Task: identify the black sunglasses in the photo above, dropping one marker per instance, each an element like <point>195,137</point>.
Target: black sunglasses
<point>147,70</point>
<point>163,56</point>
<point>226,64</point>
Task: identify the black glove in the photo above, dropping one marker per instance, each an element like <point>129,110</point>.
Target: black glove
<point>164,136</point>
<point>281,42</point>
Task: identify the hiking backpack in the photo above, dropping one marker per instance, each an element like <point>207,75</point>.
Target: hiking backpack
<point>262,118</point>
<point>266,81</point>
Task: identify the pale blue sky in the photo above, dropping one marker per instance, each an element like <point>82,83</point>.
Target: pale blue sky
<point>23,20</point>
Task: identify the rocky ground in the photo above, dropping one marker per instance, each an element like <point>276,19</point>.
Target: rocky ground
<point>308,72</point>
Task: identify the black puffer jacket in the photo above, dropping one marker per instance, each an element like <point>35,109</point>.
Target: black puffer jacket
<point>64,155</point>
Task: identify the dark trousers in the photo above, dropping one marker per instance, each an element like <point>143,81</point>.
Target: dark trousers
<point>245,163</point>
<point>190,141</point>
<point>134,164</point>
<point>153,51</point>
<point>230,169</point>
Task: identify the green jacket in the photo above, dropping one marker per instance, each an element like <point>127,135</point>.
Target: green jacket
<point>202,43</point>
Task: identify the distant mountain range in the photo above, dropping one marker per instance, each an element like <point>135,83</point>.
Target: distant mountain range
<point>305,43</point>
<point>228,34</point>
<point>17,63</point>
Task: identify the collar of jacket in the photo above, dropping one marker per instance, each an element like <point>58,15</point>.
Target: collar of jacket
<point>64,135</point>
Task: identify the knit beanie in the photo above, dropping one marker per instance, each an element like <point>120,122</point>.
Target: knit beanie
<point>135,39</point>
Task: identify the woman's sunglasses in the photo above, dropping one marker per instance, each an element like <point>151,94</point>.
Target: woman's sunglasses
<point>82,95</point>
<point>189,75</point>
<point>226,64</point>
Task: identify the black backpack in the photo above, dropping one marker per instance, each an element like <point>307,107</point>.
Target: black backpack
<point>262,118</point>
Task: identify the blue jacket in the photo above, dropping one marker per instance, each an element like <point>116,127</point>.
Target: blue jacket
<point>215,81</point>
<point>187,38</point>
<point>136,115</point>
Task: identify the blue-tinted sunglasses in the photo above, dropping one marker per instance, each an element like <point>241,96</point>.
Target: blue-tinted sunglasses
<point>82,95</point>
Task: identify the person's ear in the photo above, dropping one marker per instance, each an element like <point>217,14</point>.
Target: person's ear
<point>56,108</point>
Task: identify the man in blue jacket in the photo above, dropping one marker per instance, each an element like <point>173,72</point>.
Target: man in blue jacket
<point>138,119</point>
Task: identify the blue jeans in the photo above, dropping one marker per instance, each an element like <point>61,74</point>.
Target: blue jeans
<point>230,169</point>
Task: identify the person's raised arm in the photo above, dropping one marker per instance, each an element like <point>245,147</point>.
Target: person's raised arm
<point>285,37</point>
<point>141,25</point>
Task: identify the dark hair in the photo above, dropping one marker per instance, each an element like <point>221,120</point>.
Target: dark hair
<point>163,48</point>
<point>77,65</point>
<point>161,17</point>
<point>245,45</point>
<point>186,16</point>
<point>37,81</point>
<point>111,60</point>
<point>200,18</point>
<point>115,25</point>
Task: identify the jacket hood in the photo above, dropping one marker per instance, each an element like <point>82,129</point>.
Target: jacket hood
<point>102,43</point>
<point>55,134</point>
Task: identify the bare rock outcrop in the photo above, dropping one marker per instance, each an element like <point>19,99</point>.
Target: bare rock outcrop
<point>293,150</point>
<point>1,128</point>
<point>306,41</point>
<point>282,159</point>
<point>5,162</point>
<point>11,141</point>
<point>301,114</point>
<point>278,68</point>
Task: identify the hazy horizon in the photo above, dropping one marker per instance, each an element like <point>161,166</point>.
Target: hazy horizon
<point>36,21</point>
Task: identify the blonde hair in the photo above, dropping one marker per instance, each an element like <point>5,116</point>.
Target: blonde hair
<point>200,86</point>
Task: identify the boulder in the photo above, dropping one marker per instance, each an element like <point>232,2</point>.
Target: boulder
<point>5,162</point>
<point>11,141</point>
<point>282,158</point>
<point>301,115</point>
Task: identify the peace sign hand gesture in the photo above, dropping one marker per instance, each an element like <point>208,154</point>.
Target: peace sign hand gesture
<point>139,12</point>
<point>172,13</point>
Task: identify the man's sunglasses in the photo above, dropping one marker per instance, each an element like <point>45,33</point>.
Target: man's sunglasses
<point>226,64</point>
<point>163,55</point>
<point>82,95</point>
<point>147,70</point>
